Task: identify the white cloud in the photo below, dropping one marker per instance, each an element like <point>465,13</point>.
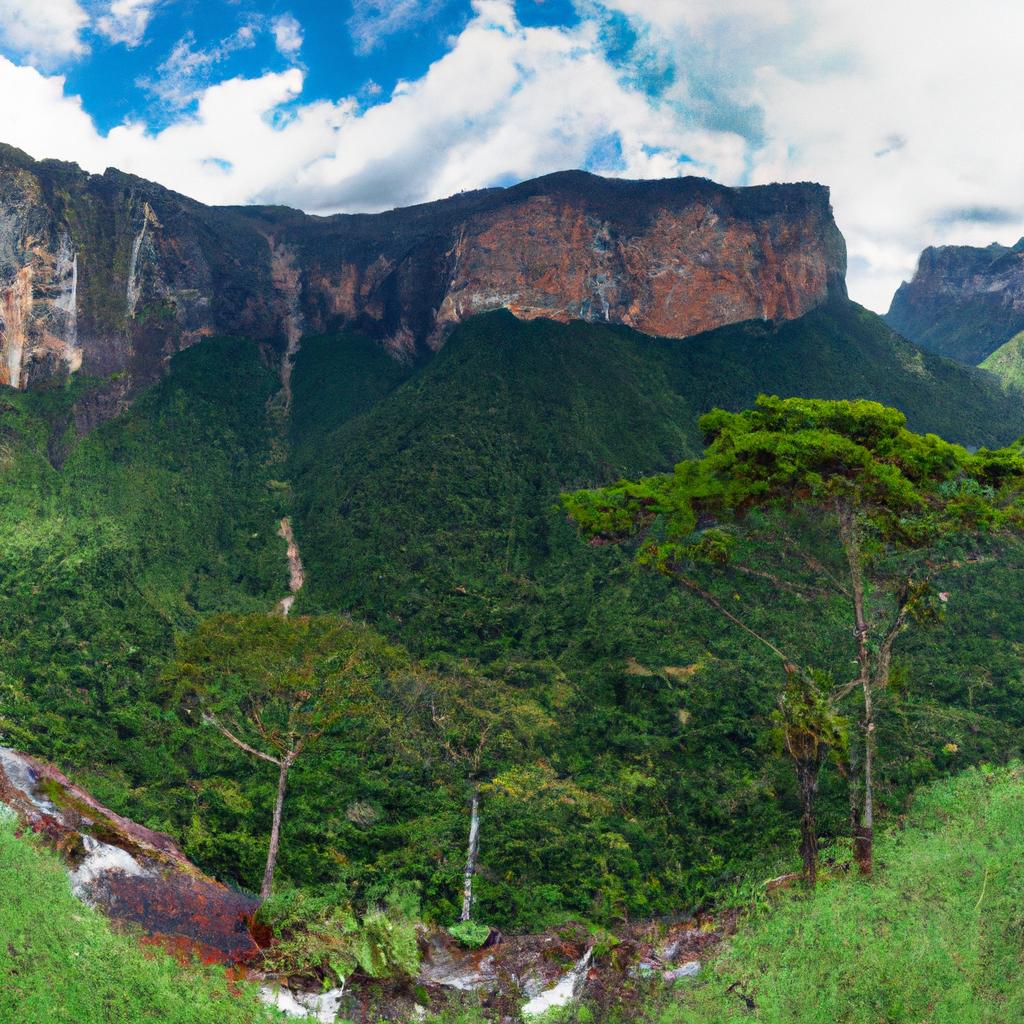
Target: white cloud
<point>907,110</point>
<point>288,35</point>
<point>373,20</point>
<point>506,102</point>
<point>182,77</point>
<point>126,21</point>
<point>44,31</point>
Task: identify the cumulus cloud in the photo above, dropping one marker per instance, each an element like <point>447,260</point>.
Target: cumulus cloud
<point>505,102</point>
<point>126,21</point>
<point>288,36</point>
<point>43,31</point>
<point>906,109</point>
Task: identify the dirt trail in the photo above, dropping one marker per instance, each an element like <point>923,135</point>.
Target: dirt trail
<point>296,574</point>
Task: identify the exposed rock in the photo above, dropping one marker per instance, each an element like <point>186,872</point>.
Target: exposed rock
<point>130,873</point>
<point>112,275</point>
<point>963,302</point>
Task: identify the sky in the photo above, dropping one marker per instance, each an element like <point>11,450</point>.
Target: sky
<point>908,109</point>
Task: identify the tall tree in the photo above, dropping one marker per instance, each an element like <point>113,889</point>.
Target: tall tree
<point>273,686</point>
<point>895,505</point>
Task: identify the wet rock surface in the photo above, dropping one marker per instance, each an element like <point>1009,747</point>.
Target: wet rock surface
<point>133,875</point>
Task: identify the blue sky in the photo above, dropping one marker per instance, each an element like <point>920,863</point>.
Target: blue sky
<point>360,49</point>
<point>908,110</point>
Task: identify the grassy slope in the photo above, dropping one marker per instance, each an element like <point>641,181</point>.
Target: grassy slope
<point>1007,362</point>
<point>935,936</point>
<point>60,962</point>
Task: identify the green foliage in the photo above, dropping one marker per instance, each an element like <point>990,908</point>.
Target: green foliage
<point>280,682</point>
<point>321,938</point>
<point>1007,363</point>
<point>470,934</point>
<point>60,962</point>
<point>424,498</point>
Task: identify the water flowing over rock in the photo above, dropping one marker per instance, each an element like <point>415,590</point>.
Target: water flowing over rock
<point>130,873</point>
<point>112,274</point>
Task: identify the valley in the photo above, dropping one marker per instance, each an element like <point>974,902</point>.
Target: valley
<point>347,421</point>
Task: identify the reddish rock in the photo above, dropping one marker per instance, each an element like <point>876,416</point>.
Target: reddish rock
<point>130,873</point>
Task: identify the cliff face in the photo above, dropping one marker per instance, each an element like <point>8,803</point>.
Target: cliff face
<point>962,302</point>
<point>111,274</point>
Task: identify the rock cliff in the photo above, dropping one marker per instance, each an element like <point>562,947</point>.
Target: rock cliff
<point>110,275</point>
<point>963,302</point>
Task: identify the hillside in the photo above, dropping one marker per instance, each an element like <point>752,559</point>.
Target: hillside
<point>1007,362</point>
<point>423,498</point>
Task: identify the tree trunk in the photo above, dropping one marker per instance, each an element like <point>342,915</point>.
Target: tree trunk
<point>275,829</point>
<point>471,852</point>
<point>863,848</point>
<point>862,828</point>
<point>807,782</point>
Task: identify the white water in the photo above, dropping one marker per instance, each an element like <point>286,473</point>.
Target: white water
<point>134,287</point>
<point>101,859</point>
<point>564,992</point>
<point>323,1008</point>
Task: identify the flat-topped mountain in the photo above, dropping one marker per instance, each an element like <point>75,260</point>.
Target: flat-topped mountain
<point>110,274</point>
<point>963,301</point>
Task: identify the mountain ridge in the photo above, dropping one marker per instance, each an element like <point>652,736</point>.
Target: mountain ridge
<point>110,274</point>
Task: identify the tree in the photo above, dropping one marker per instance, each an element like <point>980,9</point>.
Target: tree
<point>273,686</point>
<point>472,723</point>
<point>894,503</point>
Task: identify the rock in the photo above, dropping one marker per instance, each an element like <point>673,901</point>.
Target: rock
<point>111,275</point>
<point>129,872</point>
<point>962,302</point>
<point>687,970</point>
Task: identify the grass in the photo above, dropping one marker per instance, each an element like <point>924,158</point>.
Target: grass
<point>61,963</point>
<point>936,937</point>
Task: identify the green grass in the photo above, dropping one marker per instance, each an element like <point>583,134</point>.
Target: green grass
<point>61,963</point>
<point>936,936</point>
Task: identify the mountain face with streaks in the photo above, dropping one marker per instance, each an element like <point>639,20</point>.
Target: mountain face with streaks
<point>963,302</point>
<point>110,275</point>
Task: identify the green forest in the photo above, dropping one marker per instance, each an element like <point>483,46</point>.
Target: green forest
<point>459,643</point>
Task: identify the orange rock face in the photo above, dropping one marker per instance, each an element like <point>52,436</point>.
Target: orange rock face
<point>685,271</point>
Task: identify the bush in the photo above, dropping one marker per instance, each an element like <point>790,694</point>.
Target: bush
<point>470,934</point>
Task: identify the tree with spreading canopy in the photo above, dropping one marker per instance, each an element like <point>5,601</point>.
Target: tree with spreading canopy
<point>897,507</point>
<point>273,686</point>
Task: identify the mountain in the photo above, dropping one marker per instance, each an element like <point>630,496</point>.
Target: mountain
<point>423,495</point>
<point>962,302</point>
<point>110,275</point>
